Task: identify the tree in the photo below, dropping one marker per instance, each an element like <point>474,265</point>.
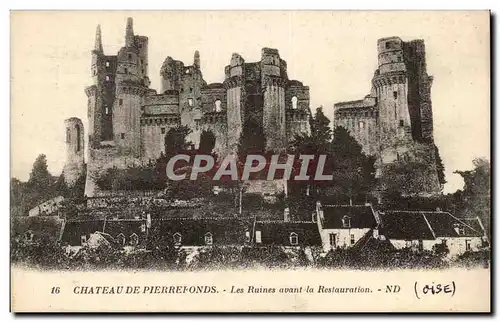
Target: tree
<point>252,139</point>
<point>40,178</point>
<point>176,140</point>
<point>477,191</point>
<point>317,143</point>
<point>353,171</point>
<point>207,142</point>
<point>321,130</point>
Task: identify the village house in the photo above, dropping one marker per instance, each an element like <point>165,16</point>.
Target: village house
<point>342,226</point>
<point>49,207</point>
<point>288,234</point>
<point>121,232</point>
<point>421,230</point>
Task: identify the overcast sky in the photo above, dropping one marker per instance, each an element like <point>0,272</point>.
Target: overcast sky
<point>334,53</point>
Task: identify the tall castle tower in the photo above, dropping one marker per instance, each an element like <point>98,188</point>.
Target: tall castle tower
<point>235,87</point>
<point>391,90</point>
<point>100,94</point>
<point>273,84</point>
<point>395,120</point>
<point>131,85</point>
<point>75,144</point>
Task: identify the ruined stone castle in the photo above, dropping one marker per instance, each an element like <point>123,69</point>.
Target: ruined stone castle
<point>128,121</point>
<point>394,120</point>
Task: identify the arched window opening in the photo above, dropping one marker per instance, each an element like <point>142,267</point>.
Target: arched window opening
<point>120,239</point>
<point>361,124</point>
<point>68,135</point>
<point>209,239</point>
<point>177,238</point>
<point>134,239</point>
<point>78,144</point>
<point>294,239</point>
<point>218,105</point>
<point>346,222</point>
<point>294,102</point>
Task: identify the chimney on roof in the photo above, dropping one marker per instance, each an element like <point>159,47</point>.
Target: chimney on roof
<point>286,214</point>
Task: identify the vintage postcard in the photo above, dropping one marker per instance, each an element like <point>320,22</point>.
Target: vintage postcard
<point>250,161</point>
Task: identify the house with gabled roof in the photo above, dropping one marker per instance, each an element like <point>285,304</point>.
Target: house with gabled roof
<point>201,232</point>
<point>342,226</point>
<point>421,230</point>
<point>122,232</point>
<point>288,234</point>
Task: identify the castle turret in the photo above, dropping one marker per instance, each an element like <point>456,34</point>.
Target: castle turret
<point>129,92</point>
<point>235,94</point>
<point>273,86</point>
<point>100,94</point>
<point>196,61</point>
<point>391,87</point>
<point>75,144</point>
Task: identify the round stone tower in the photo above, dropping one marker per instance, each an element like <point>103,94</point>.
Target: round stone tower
<point>75,145</point>
<point>235,88</point>
<point>129,92</point>
<point>273,86</point>
<point>391,89</point>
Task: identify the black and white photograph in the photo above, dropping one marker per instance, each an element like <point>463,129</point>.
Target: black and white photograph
<point>231,143</point>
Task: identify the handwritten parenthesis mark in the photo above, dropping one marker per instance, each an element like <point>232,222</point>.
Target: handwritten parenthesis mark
<point>454,288</point>
<point>416,293</point>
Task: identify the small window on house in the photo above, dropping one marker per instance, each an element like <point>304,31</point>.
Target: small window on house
<point>401,123</point>
<point>346,222</point>
<point>190,101</point>
<point>333,240</point>
<point>142,70</point>
<point>247,236</point>
<point>143,226</point>
<point>162,130</point>
<point>134,239</point>
<point>395,94</point>
<point>107,64</point>
<point>107,78</point>
<point>399,58</point>
<point>208,239</point>
<point>258,237</point>
<point>294,239</point>
<point>177,238</point>
<point>387,45</point>
<point>126,70</point>
<point>190,90</point>
<point>467,245</point>
<point>107,110</point>
<point>142,61</point>
<point>120,102</point>
<point>122,136</point>
<point>294,102</point>
<point>352,239</point>
<point>120,239</point>
<point>361,124</point>
<point>94,72</point>
<point>129,56</point>
<point>218,105</point>
<point>83,239</point>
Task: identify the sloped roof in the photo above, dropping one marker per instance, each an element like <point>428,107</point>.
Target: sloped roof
<point>125,227</point>
<point>444,224</point>
<point>225,231</point>
<point>361,216</point>
<point>74,229</point>
<point>475,223</point>
<point>278,232</point>
<point>425,225</point>
<point>406,225</point>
